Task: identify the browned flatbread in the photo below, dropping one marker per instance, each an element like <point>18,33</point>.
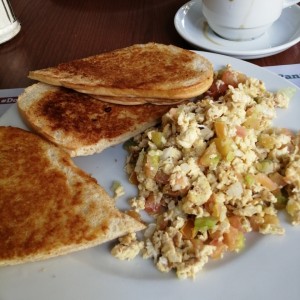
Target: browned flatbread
<point>48,206</point>
<point>81,124</point>
<point>153,71</point>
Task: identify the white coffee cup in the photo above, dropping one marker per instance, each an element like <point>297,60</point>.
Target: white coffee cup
<point>9,25</point>
<point>242,19</point>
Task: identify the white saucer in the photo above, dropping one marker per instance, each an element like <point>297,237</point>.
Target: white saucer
<point>284,33</point>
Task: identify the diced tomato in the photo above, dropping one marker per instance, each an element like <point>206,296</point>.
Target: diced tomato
<point>233,78</point>
<point>214,208</point>
<point>198,244</point>
<point>236,222</point>
<point>220,85</point>
<point>217,89</point>
<point>230,238</point>
<point>278,179</point>
<point>161,177</point>
<point>152,206</point>
<point>234,239</point>
<point>215,235</point>
<point>265,181</point>
<point>133,178</point>
<point>241,131</point>
<point>187,230</point>
<point>220,249</point>
<point>161,222</point>
<point>229,78</point>
<point>255,222</point>
<point>209,204</point>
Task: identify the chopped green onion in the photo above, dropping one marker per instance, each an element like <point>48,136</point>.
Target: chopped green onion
<point>204,223</point>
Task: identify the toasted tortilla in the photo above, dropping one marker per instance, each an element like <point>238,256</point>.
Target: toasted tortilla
<point>81,124</point>
<point>48,206</point>
<point>152,71</point>
<point>122,100</point>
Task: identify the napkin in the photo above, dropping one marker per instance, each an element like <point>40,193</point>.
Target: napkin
<point>289,72</point>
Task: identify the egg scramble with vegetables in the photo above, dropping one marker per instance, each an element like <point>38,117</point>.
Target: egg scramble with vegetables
<point>212,171</point>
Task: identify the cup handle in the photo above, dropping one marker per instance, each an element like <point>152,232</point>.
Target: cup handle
<point>287,3</point>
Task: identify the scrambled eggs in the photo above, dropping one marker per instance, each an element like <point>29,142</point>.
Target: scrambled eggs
<point>213,170</point>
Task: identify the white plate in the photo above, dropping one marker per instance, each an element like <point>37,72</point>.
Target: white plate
<point>284,33</point>
<point>269,267</point>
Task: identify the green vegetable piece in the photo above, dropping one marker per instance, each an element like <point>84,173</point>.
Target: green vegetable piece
<point>157,138</point>
<point>230,156</point>
<point>211,157</point>
<point>249,180</point>
<point>151,164</point>
<point>240,242</point>
<point>282,199</point>
<point>264,166</point>
<point>204,223</point>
